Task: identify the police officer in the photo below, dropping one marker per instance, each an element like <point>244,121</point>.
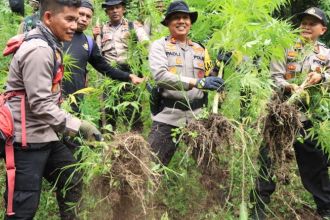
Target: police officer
<point>30,22</point>
<point>83,49</point>
<point>37,150</point>
<point>312,162</point>
<point>115,33</point>
<point>177,65</point>
<point>114,42</point>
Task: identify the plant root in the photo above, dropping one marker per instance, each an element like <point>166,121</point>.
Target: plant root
<point>281,127</point>
<point>130,178</point>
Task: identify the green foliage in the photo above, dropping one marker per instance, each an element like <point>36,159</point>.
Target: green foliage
<point>7,31</point>
<point>181,186</point>
<point>255,38</point>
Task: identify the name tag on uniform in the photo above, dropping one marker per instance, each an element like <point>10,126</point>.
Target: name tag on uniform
<point>173,54</point>
<point>198,57</point>
<point>322,63</point>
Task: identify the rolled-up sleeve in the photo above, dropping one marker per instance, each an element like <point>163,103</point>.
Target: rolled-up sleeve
<point>159,67</point>
<point>38,76</point>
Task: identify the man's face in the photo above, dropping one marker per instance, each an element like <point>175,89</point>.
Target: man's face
<point>160,6</point>
<point>63,24</point>
<point>34,4</point>
<point>311,28</point>
<point>85,17</point>
<point>115,13</point>
<point>179,24</point>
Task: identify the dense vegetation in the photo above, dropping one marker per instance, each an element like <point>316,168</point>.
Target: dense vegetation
<point>255,29</point>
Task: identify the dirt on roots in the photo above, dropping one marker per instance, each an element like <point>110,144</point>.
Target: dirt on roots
<point>125,187</point>
<point>207,138</point>
<point>281,127</point>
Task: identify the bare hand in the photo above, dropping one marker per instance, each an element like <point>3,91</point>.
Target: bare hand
<point>96,31</point>
<point>135,79</point>
<point>314,78</point>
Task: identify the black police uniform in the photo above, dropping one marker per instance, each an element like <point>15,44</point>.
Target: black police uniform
<point>78,49</point>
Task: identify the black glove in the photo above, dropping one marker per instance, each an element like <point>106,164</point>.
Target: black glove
<point>224,57</point>
<point>210,83</point>
<point>89,131</point>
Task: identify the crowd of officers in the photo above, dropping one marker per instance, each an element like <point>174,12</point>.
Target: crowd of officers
<point>178,66</point>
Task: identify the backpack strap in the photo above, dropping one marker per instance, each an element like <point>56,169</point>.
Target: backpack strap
<point>7,129</point>
<point>42,37</point>
<point>90,42</point>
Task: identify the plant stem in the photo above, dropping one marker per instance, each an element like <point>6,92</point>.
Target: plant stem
<point>215,105</point>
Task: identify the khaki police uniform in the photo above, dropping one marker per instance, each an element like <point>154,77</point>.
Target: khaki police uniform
<point>311,160</point>
<point>318,60</point>
<point>44,117</point>
<point>31,70</point>
<point>172,67</point>
<point>114,43</point>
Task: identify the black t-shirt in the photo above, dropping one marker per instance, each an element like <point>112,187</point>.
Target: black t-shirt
<point>78,49</point>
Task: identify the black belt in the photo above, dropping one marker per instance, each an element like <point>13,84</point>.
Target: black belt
<point>183,105</point>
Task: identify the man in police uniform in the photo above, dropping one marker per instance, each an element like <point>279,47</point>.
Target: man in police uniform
<point>115,33</point>
<point>114,42</point>
<point>312,162</point>
<point>177,65</point>
<point>38,152</point>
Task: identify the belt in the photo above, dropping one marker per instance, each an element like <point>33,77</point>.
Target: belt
<point>183,105</point>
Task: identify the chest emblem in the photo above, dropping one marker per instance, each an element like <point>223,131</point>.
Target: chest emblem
<point>298,46</point>
<point>292,54</point>
<point>321,57</point>
<point>85,46</point>
<point>172,69</point>
<point>292,67</point>
<point>178,61</point>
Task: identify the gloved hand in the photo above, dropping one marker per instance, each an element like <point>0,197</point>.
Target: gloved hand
<point>224,57</point>
<point>89,131</point>
<point>210,83</point>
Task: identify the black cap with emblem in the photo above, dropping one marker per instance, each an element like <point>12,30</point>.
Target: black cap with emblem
<point>315,12</point>
<point>179,6</point>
